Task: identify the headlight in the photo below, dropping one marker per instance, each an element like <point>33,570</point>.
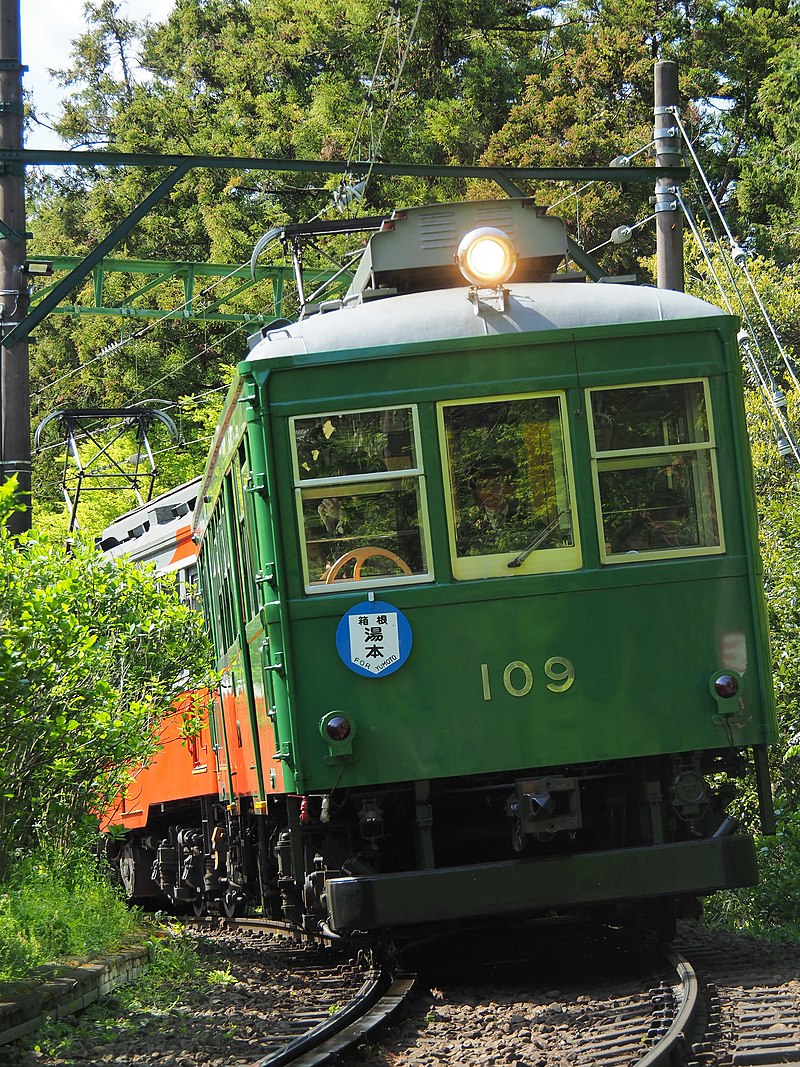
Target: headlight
<point>486,256</point>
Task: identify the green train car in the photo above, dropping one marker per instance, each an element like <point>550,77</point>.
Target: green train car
<point>478,553</point>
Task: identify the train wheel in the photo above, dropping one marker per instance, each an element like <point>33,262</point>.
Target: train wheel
<point>127,870</point>
<point>234,904</point>
<point>199,906</point>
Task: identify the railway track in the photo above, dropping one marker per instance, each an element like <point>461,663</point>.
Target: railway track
<point>376,1001</point>
<point>320,1033</point>
<point>715,1001</point>
<point>700,1012</point>
<point>645,1028</point>
<point>752,1016</point>
<point>694,1006</point>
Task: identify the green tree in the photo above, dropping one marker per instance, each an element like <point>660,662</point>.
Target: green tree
<point>768,189</point>
<point>92,652</point>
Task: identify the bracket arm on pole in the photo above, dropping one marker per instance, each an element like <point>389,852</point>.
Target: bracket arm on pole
<point>77,275</point>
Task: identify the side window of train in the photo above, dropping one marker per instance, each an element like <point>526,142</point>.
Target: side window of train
<point>187,584</point>
<point>222,591</point>
<point>206,598</point>
<point>211,585</point>
<point>239,475</point>
<point>655,471</point>
<point>359,488</point>
<point>511,492</point>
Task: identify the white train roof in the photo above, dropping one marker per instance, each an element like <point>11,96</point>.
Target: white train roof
<point>158,532</point>
<point>449,314</point>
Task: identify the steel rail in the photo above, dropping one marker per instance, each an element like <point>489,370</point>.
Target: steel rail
<point>377,999</point>
<point>673,1047</point>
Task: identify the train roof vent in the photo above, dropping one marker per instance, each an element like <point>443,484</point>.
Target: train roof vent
<point>415,250</point>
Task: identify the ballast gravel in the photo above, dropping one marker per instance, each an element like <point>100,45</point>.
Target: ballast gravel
<point>540,1011</point>
<point>258,982</point>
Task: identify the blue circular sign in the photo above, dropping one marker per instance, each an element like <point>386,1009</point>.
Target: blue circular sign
<point>373,639</point>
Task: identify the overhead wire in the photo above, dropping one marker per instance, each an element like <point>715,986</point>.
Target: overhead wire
<point>203,351</point>
<point>141,332</point>
<point>368,99</point>
<point>393,96</point>
<point>619,161</point>
<point>761,374</point>
<point>738,254</point>
<point>772,396</point>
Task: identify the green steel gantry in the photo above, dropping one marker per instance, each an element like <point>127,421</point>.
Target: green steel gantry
<point>25,316</point>
<point>506,177</point>
<point>187,279</point>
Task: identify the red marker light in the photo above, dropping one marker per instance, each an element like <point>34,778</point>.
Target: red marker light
<point>726,685</point>
<point>337,728</point>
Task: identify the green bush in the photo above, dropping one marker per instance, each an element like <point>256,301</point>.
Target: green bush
<point>57,907</point>
<point>92,653</point>
<point>772,907</point>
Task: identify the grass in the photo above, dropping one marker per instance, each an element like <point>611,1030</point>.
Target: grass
<point>156,1002</point>
<point>175,970</point>
<point>771,909</point>
<point>54,908</point>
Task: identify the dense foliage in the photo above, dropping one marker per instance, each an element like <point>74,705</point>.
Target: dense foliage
<point>569,82</point>
<point>92,652</point>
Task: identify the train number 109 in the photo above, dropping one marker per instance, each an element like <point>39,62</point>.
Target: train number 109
<point>518,677</point>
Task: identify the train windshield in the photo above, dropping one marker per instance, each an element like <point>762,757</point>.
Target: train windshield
<point>358,480</point>
<point>510,501</point>
<point>655,471</point>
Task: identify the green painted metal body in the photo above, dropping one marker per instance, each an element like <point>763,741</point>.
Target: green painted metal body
<point>644,637</point>
<point>204,303</point>
<point>454,893</point>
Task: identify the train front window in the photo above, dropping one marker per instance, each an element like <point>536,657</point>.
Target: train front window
<point>360,499</point>
<point>655,471</point>
<point>510,502</point>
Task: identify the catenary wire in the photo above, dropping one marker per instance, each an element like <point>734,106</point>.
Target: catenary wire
<point>742,264</point>
<point>766,385</point>
<point>138,334</point>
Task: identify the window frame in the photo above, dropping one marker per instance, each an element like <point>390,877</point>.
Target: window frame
<point>495,565</point>
<point>642,457</point>
<point>362,482</point>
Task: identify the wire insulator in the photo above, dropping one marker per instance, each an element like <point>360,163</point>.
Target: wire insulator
<point>785,449</point>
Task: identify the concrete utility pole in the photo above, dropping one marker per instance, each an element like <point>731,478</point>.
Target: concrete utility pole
<point>669,217</point>
<point>15,406</point>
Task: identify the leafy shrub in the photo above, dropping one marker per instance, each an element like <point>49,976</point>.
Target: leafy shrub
<point>92,654</point>
<point>773,906</point>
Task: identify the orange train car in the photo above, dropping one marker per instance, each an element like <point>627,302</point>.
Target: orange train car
<point>182,775</point>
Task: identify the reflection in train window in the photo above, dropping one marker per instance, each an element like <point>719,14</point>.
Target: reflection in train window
<point>510,501</point>
<point>360,500</point>
<point>655,471</point>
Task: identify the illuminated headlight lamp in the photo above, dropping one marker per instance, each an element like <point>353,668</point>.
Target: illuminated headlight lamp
<point>486,257</point>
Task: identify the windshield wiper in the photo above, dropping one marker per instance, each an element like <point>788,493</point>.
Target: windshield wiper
<point>517,561</point>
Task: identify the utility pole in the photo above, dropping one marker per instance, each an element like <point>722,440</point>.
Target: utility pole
<point>669,217</point>
<point>15,405</point>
